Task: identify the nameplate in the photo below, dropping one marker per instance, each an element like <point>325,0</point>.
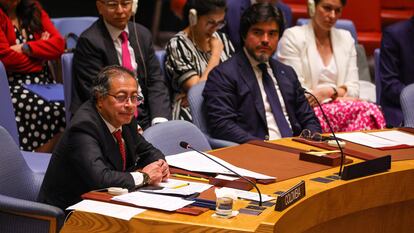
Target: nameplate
<point>367,168</point>
<point>291,196</point>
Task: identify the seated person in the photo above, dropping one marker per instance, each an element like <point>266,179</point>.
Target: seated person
<point>196,50</point>
<point>324,59</point>
<point>113,40</point>
<point>28,40</point>
<point>236,9</point>
<point>102,147</point>
<point>396,67</point>
<point>252,96</point>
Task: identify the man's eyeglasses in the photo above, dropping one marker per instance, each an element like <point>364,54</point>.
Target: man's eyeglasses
<point>113,5</point>
<point>135,99</point>
<point>219,25</point>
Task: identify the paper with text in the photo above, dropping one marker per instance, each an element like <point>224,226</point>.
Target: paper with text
<point>107,209</point>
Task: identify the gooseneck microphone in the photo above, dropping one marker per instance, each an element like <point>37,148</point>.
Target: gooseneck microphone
<point>187,146</point>
<point>330,128</point>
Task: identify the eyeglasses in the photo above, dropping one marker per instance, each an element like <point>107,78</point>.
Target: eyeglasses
<point>113,5</point>
<point>122,99</point>
<point>219,25</point>
<point>307,134</point>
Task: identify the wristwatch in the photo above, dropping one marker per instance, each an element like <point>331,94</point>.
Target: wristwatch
<point>146,179</point>
<point>26,49</point>
<point>335,94</point>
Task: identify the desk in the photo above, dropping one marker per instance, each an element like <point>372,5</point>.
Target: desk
<point>379,203</point>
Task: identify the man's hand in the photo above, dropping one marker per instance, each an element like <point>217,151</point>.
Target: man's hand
<point>158,171</point>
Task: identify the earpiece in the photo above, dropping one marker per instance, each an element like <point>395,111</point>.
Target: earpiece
<point>311,8</point>
<point>192,17</point>
<point>134,6</point>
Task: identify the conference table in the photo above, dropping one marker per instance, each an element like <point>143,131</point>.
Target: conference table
<point>382,202</point>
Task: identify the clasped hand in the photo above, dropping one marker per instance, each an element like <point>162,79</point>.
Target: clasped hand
<point>158,171</point>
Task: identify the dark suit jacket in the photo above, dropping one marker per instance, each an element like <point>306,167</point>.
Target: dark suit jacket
<point>234,104</point>
<point>88,158</point>
<point>235,10</point>
<point>396,67</point>
<point>95,50</point>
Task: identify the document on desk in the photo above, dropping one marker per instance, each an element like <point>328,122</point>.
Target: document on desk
<point>367,140</point>
<point>107,209</point>
<point>177,187</point>
<point>193,161</point>
<point>156,201</point>
<point>247,195</point>
<point>396,136</point>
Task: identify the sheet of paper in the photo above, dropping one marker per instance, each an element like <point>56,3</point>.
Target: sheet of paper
<point>367,139</point>
<point>396,136</point>
<point>193,161</point>
<point>155,201</point>
<point>178,187</point>
<point>248,195</point>
<point>108,209</point>
<point>224,177</point>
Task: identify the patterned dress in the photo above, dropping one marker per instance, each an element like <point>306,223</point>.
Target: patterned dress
<point>184,60</point>
<point>37,120</point>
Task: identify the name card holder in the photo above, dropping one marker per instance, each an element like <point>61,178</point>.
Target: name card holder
<point>291,196</point>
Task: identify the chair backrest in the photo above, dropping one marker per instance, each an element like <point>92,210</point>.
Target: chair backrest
<point>16,178</point>
<point>67,60</point>
<point>195,100</point>
<point>167,136</point>
<point>365,14</point>
<point>377,75</point>
<point>7,116</point>
<point>407,105</point>
<point>345,24</point>
<point>72,26</point>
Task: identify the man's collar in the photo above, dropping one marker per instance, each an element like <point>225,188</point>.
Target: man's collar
<point>111,128</point>
<point>252,61</point>
<point>113,31</point>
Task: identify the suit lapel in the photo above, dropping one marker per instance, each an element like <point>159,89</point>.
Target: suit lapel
<point>339,56</point>
<point>111,148</point>
<point>109,44</point>
<point>313,56</point>
<point>249,77</point>
<point>129,145</point>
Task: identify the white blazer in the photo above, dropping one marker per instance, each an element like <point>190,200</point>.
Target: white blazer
<point>297,48</point>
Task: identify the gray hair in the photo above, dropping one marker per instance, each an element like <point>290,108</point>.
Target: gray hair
<point>101,84</point>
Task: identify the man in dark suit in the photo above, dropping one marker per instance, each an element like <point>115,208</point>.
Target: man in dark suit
<point>396,67</point>
<point>252,96</point>
<point>102,147</point>
<point>235,9</point>
<point>102,44</point>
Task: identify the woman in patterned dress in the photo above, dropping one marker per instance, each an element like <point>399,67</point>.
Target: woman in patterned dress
<point>193,52</point>
<point>28,40</point>
<point>324,59</point>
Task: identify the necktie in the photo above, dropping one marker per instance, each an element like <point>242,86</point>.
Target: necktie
<point>274,101</point>
<point>126,56</point>
<point>118,136</point>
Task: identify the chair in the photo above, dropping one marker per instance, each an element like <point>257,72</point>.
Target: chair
<point>72,27</point>
<point>167,136</point>
<point>195,100</point>
<point>407,105</point>
<point>19,211</point>
<point>299,8</point>
<point>345,24</point>
<point>66,61</point>
<point>396,10</point>
<point>38,162</point>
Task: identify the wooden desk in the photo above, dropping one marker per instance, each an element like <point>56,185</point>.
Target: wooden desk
<point>378,203</point>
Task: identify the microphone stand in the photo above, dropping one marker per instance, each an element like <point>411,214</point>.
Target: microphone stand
<point>330,128</point>
<point>185,145</point>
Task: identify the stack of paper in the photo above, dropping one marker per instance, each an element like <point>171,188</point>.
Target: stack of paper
<point>154,201</point>
<point>177,187</point>
<point>379,139</point>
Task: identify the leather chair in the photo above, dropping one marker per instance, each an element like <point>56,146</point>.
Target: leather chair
<point>195,100</point>
<point>167,136</point>
<point>72,27</point>
<point>66,61</point>
<point>19,211</point>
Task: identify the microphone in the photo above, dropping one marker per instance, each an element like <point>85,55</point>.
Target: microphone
<point>187,146</point>
<point>330,128</point>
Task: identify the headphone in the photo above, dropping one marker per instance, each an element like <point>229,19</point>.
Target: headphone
<point>134,6</point>
<point>311,8</point>
<point>192,17</point>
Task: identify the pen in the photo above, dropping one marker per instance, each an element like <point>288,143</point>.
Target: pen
<point>180,186</point>
<point>190,177</point>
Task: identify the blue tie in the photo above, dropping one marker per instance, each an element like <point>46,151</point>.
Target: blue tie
<point>274,101</point>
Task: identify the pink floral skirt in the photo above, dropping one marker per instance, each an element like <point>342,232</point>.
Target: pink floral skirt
<point>349,115</point>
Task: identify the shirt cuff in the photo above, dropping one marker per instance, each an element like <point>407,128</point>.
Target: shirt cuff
<point>138,178</point>
<point>157,120</point>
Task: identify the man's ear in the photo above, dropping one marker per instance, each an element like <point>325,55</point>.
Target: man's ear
<point>99,6</point>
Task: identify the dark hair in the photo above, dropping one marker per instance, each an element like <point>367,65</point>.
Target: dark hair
<point>29,13</point>
<point>101,84</point>
<point>259,13</point>
<point>343,2</point>
<point>203,7</point>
